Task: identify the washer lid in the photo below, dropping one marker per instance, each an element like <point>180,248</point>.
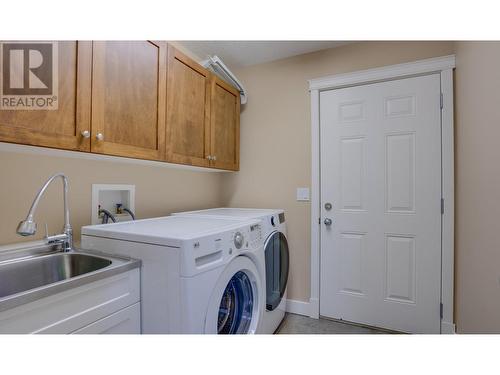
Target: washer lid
<point>166,231</point>
<point>242,213</point>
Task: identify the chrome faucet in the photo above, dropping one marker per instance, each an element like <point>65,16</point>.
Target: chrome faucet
<point>27,227</point>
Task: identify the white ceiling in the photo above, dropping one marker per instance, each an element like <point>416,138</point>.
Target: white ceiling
<point>243,53</point>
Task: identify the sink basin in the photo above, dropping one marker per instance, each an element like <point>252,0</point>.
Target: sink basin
<point>23,275</point>
<point>35,270</point>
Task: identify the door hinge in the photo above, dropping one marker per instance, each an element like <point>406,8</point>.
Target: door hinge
<point>442,206</point>
<point>441,310</point>
<point>441,100</point>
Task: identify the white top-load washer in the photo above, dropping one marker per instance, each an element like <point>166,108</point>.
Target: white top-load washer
<point>277,257</point>
<point>198,275</point>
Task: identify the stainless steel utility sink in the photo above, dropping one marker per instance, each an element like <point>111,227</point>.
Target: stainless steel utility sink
<point>33,273</point>
<point>28,273</point>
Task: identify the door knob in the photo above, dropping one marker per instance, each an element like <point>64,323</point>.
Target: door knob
<point>85,134</point>
<point>328,221</point>
<point>328,206</point>
<point>99,136</point>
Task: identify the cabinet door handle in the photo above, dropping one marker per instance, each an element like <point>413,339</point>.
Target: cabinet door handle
<point>85,134</point>
<point>209,157</point>
<point>214,158</point>
<point>99,136</point>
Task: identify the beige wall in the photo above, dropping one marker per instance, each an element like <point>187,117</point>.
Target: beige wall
<point>159,190</point>
<point>275,134</point>
<point>477,221</point>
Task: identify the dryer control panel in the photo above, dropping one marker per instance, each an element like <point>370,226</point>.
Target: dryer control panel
<point>239,240</point>
<point>255,236</point>
<point>215,250</point>
<point>248,238</point>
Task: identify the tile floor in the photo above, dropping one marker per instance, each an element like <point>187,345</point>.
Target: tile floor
<point>298,324</point>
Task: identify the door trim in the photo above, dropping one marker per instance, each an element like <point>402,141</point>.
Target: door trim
<point>444,66</point>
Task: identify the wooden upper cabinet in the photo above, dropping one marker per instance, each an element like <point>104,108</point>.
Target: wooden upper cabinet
<point>188,111</point>
<point>129,82</point>
<point>225,125</point>
<point>138,99</point>
<point>59,128</point>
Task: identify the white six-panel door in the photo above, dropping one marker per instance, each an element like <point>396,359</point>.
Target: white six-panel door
<point>381,173</point>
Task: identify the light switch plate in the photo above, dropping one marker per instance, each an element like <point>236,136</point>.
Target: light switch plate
<point>303,194</point>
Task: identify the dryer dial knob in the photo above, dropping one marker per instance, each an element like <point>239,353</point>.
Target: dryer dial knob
<point>238,240</point>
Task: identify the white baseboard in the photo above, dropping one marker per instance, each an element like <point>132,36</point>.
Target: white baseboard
<point>311,309</point>
<point>448,328</point>
<point>314,308</point>
<point>297,307</point>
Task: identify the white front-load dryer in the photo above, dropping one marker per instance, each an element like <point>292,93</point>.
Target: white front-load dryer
<point>276,256</point>
<point>198,275</point>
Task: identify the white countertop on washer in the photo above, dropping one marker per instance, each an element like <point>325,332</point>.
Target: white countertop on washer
<point>166,231</point>
<point>243,213</point>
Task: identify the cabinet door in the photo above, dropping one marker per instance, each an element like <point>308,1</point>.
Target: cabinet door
<point>188,109</point>
<point>126,321</point>
<point>128,98</point>
<point>72,309</point>
<point>59,128</point>
<point>225,126</point>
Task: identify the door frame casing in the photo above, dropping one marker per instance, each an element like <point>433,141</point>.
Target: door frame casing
<point>443,66</point>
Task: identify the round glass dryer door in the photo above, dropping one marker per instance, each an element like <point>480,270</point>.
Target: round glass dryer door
<point>236,306</point>
<point>277,266</point>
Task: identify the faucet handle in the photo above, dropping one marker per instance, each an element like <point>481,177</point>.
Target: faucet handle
<point>55,238</point>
